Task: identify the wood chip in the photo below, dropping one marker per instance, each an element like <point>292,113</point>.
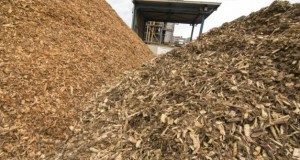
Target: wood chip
<point>227,95</point>
<point>235,88</point>
<point>54,56</point>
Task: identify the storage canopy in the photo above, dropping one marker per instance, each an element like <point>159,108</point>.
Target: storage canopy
<point>189,12</point>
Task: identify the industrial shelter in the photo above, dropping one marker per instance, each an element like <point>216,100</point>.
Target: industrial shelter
<point>174,11</point>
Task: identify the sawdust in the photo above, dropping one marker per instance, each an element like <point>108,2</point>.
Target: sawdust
<point>233,94</point>
<point>53,54</point>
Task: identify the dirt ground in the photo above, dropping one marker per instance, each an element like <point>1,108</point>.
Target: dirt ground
<point>53,55</point>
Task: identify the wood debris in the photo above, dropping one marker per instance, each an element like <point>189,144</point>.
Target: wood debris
<point>233,94</point>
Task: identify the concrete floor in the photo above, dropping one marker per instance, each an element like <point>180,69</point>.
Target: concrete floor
<point>160,49</point>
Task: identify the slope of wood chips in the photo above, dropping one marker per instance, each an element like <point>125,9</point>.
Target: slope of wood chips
<point>233,94</point>
<point>52,55</point>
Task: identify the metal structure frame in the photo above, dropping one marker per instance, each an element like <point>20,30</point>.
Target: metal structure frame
<point>158,32</point>
<point>174,11</point>
<point>154,28</point>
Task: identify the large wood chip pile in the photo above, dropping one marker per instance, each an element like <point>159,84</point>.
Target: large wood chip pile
<point>233,94</point>
<point>52,55</point>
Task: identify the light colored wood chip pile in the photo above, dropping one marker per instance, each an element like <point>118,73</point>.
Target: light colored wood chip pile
<point>53,54</point>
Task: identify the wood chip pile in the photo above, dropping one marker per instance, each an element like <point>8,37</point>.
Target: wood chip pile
<point>52,55</point>
<point>233,94</point>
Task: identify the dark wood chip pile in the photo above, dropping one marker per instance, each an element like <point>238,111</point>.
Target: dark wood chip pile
<point>233,94</point>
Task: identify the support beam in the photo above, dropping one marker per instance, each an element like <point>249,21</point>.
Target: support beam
<point>134,19</point>
<point>192,32</point>
<point>147,31</point>
<point>160,36</point>
<point>202,25</point>
<point>193,9</point>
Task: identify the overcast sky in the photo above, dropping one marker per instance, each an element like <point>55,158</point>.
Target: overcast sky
<point>228,11</point>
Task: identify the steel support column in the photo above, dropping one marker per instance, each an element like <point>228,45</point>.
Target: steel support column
<point>160,36</point>
<point>202,25</point>
<point>134,18</point>
<point>192,32</point>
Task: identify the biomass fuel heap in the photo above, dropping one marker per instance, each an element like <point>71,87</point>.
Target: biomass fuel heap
<point>233,94</point>
<point>53,54</point>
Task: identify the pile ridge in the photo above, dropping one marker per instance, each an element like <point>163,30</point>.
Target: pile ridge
<point>232,94</point>
<point>53,55</point>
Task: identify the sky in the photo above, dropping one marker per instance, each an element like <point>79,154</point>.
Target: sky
<point>228,11</point>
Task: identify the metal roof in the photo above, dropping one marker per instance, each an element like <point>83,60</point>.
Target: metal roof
<point>177,11</point>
